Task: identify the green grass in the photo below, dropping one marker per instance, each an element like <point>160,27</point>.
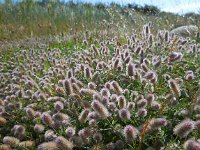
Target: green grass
<point>33,19</point>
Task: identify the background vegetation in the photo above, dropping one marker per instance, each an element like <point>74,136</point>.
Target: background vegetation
<point>31,18</point>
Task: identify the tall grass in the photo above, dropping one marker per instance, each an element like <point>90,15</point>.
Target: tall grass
<point>30,18</point>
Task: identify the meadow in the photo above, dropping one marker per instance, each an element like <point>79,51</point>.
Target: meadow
<point>97,77</point>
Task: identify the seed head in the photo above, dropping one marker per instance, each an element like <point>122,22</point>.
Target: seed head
<point>47,119</point>
<point>67,86</point>
<point>131,106</point>
<point>189,77</point>
<point>92,85</point>
<point>110,146</point>
<point>77,141</point>
<point>87,92</point>
<point>113,98</point>
<point>174,88</point>
<point>19,131</point>
<point>117,88</point>
<point>142,112</point>
<point>155,105</point>
<point>150,98</point>
<point>48,146</point>
<point>100,109</point>
<point>88,73</point>
<point>93,115</point>
<point>105,100</point>
<point>26,144</point>
<point>124,114</point>
<point>30,113</point>
<point>2,121</point>
<point>121,102</point>
<point>142,103</point>
<point>156,123</point>
<point>184,128</point>
<point>39,128</point>
<point>92,122</point>
<point>85,133</point>
<point>12,141</point>
<point>49,135</point>
<point>58,106</point>
<point>105,92</point>
<point>197,125</point>
<point>116,63</point>
<point>119,145</point>
<point>144,67</point>
<point>5,147</point>
<point>70,131</point>
<point>130,69</point>
<point>191,145</point>
<point>75,88</point>
<point>167,36</point>
<point>130,133</point>
<point>60,90</point>
<point>59,117</point>
<point>63,143</point>
<point>97,137</point>
<point>112,106</point>
<point>83,116</point>
<point>149,75</point>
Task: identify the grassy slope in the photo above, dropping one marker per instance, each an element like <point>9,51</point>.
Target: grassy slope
<point>31,19</point>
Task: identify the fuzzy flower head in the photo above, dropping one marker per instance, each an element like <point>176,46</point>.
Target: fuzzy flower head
<point>150,98</point>
<point>105,100</point>
<point>85,133</point>
<point>184,128</point>
<point>49,135</point>
<point>155,105</point>
<point>70,131</point>
<point>117,88</point>
<point>30,112</point>
<point>121,102</point>
<point>142,103</point>
<point>92,85</point>
<point>26,144</point>
<point>174,87</point>
<point>130,133</point>
<point>131,106</point>
<point>48,146</point>
<point>105,92</point>
<point>124,114</point>
<point>58,106</point>
<point>63,143</point>
<point>189,75</point>
<point>149,75</point>
<point>191,145</point>
<point>12,141</point>
<point>100,109</point>
<point>97,137</point>
<point>2,121</point>
<point>83,116</point>
<point>130,69</point>
<point>39,128</point>
<point>142,112</point>
<point>113,98</point>
<point>47,119</point>
<point>156,123</point>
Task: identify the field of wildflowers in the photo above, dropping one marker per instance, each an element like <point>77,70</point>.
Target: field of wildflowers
<point>103,90</point>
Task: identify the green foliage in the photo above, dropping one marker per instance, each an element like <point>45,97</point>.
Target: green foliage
<point>30,18</point>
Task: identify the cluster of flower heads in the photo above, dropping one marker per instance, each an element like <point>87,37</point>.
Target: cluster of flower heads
<point>110,96</point>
